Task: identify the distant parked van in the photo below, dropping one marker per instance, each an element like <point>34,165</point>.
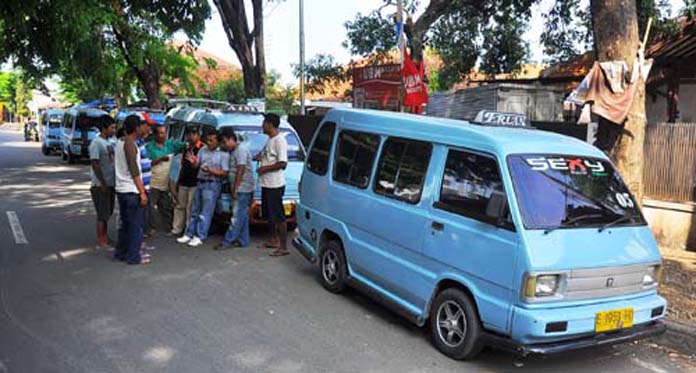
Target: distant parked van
<point>491,235</point>
<point>79,128</point>
<point>50,130</point>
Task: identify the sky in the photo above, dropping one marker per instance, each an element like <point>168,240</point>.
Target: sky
<point>325,31</point>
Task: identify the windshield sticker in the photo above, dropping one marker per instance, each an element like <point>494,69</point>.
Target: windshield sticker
<point>576,166</point>
<point>624,200</point>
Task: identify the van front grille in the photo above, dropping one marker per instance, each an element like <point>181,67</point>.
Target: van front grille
<point>605,282</point>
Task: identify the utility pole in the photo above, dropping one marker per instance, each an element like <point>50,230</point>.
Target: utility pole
<point>302,60</point>
<point>402,43</point>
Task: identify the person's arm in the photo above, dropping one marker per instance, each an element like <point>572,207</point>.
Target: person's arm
<point>178,146</point>
<point>96,167</point>
<point>131,151</point>
<point>238,179</point>
<point>151,149</point>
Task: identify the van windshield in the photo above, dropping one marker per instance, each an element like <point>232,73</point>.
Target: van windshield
<point>257,139</point>
<point>54,121</point>
<point>571,192</point>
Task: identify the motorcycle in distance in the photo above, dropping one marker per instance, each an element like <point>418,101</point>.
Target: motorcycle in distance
<point>31,131</point>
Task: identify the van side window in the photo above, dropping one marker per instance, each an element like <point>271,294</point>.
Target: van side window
<point>401,169</point>
<point>355,155</point>
<point>318,161</point>
<point>471,186</point>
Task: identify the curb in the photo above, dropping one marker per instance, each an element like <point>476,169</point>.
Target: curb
<point>680,337</point>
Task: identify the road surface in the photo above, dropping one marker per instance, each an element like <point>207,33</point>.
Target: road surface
<point>66,307</point>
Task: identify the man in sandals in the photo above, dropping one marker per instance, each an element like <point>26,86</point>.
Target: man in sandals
<point>131,195</point>
<point>274,159</point>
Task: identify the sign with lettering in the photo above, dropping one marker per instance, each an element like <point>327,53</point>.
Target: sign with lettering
<point>496,118</point>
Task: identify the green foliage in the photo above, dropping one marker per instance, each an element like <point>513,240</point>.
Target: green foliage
<point>568,27</point>
<point>504,48</point>
<point>462,32</point>
<point>280,99</point>
<point>230,90</point>
<point>689,9</point>
<point>567,31</point>
<point>15,91</point>
<point>319,71</point>
<point>101,48</point>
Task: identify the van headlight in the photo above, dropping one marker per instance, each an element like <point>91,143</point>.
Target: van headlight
<point>537,286</point>
<point>653,275</point>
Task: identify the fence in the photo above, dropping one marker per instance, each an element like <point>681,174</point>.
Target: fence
<point>670,162</point>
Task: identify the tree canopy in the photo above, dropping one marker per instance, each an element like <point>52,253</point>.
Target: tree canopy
<point>103,47</point>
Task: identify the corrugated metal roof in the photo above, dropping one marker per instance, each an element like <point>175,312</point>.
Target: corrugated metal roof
<point>680,46</point>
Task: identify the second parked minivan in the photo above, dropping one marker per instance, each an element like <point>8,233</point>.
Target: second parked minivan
<point>78,129</point>
<point>490,235</point>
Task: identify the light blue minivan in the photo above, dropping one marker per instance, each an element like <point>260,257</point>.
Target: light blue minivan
<point>51,132</point>
<point>78,129</point>
<point>246,123</point>
<point>491,235</point>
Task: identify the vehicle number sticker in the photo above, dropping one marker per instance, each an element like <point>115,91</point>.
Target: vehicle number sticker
<point>624,200</point>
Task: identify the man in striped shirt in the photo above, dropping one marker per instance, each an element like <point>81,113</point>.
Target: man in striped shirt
<point>146,171</point>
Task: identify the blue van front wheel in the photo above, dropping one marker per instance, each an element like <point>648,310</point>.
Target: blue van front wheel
<point>332,267</point>
<point>455,325</point>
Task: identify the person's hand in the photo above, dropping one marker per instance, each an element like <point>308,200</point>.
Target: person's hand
<point>164,158</point>
<point>104,188</point>
<point>143,199</point>
<point>261,170</point>
<point>174,199</point>
<point>234,195</point>
<point>205,169</point>
<point>257,157</point>
<point>192,158</point>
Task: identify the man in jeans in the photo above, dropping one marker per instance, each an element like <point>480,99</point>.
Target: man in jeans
<point>186,182</point>
<point>274,159</point>
<point>160,150</point>
<point>131,195</point>
<point>102,173</point>
<point>214,164</point>
<point>241,179</point>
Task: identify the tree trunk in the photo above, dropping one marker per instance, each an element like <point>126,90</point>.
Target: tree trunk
<point>616,37</point>
<point>247,45</point>
<point>151,86</point>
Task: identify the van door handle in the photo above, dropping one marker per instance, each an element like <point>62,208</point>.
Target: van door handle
<point>437,226</point>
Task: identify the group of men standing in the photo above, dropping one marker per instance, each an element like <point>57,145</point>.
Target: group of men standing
<point>144,176</point>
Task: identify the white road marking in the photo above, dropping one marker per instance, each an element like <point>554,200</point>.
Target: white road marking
<point>16,226</point>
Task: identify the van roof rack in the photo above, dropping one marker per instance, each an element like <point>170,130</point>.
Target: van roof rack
<point>198,102</point>
<point>237,108</point>
<point>501,119</point>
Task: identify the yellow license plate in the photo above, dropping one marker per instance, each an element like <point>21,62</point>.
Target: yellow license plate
<point>288,209</point>
<point>613,320</point>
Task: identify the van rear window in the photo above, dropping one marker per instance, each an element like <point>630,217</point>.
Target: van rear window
<point>355,156</point>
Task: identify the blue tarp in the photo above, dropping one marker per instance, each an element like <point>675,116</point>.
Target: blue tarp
<point>106,104</point>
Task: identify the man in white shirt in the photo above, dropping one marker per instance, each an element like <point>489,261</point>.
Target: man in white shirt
<point>274,159</point>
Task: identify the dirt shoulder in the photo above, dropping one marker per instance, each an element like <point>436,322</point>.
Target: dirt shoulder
<point>678,285</point>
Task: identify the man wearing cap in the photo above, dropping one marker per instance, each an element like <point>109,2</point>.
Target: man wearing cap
<point>274,159</point>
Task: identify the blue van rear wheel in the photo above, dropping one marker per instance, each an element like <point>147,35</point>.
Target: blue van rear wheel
<point>455,325</point>
<point>332,267</point>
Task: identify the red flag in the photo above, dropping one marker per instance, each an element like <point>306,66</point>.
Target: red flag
<point>416,93</point>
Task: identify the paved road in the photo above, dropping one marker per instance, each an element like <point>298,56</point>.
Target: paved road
<point>66,307</point>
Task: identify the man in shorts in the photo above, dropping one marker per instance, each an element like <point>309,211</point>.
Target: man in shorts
<point>274,159</point>
<point>102,174</point>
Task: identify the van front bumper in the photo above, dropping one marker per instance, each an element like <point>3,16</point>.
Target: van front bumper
<point>530,325</point>
<point>651,329</point>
